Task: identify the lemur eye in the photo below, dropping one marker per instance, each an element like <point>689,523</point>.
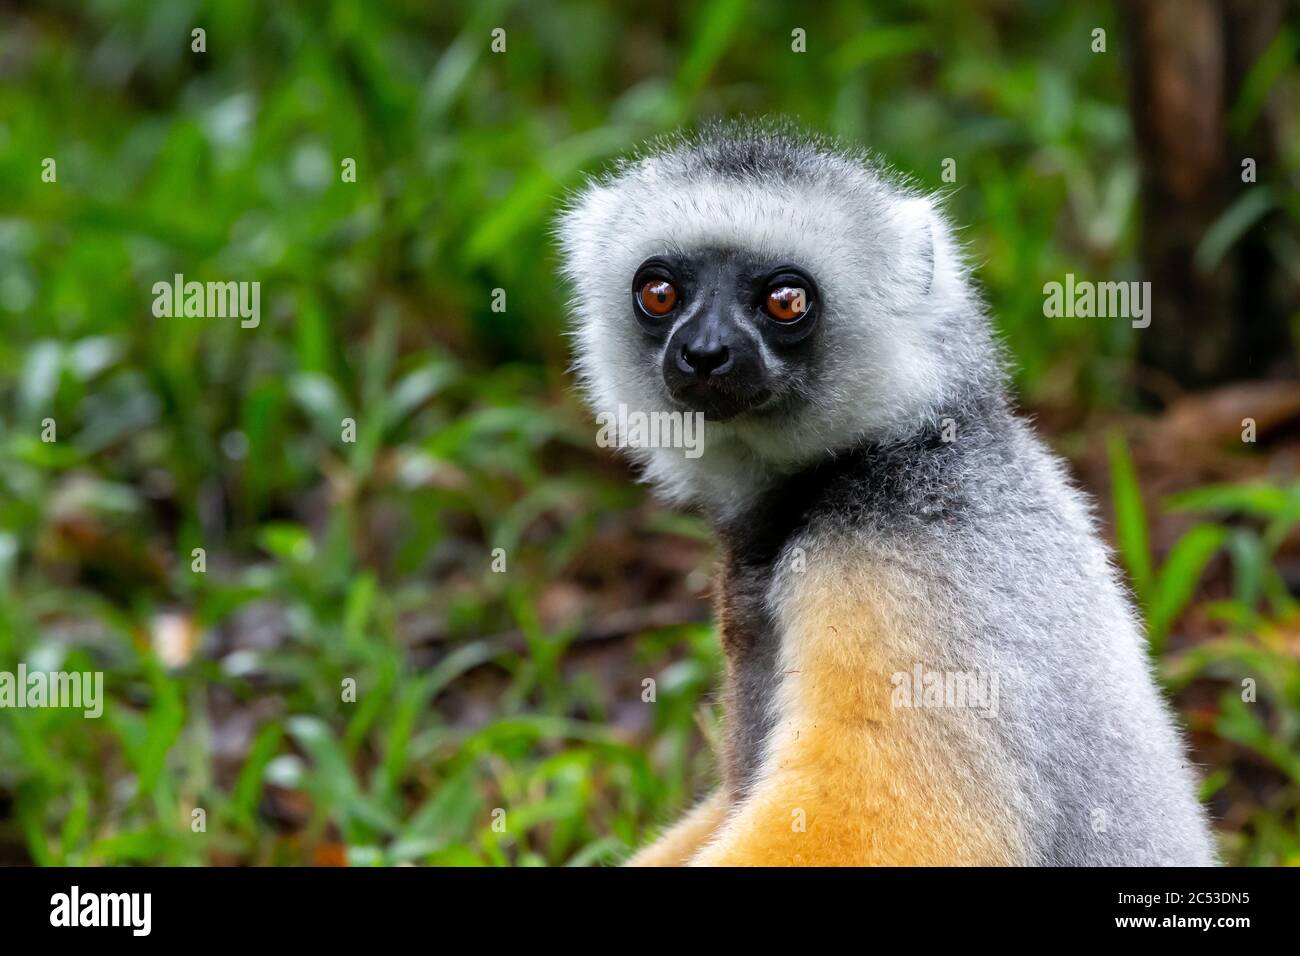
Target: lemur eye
<point>658,296</point>
<point>786,303</point>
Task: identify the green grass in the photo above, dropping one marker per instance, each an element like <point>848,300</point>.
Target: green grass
<point>1251,662</point>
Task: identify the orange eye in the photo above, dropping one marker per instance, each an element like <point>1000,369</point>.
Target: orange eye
<point>658,297</point>
<point>786,303</point>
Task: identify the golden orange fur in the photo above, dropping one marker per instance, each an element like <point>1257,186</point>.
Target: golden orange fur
<point>684,839</point>
<point>849,779</point>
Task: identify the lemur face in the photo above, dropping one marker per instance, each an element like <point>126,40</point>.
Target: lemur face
<point>799,298</point>
<point>729,330</point>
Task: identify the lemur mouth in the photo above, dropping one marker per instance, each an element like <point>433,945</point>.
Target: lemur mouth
<point>719,404</point>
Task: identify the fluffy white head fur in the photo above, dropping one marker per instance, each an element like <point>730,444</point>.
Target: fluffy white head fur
<point>902,338</point>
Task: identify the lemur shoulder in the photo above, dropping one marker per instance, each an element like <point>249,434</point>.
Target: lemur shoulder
<point>884,517</point>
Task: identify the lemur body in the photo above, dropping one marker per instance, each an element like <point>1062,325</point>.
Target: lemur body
<point>882,514</point>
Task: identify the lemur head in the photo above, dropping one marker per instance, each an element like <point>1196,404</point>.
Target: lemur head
<point>789,291</point>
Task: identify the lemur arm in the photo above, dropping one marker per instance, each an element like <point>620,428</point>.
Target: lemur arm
<point>793,821</point>
<point>848,777</point>
<point>681,841</point>
<point>890,791</point>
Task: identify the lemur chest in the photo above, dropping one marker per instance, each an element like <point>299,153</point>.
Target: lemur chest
<point>814,726</point>
<point>795,645</point>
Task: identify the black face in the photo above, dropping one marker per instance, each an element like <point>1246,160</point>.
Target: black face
<point>711,309</point>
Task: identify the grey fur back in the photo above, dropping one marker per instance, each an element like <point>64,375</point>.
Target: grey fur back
<point>1017,584</point>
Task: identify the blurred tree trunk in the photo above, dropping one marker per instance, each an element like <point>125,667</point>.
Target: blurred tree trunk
<point>1187,63</point>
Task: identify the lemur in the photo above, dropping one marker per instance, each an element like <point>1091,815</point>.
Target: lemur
<point>888,525</point>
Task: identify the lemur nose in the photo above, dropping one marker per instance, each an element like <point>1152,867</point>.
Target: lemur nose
<point>706,359</point>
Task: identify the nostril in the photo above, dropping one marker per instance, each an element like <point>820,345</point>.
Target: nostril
<point>724,362</point>
<point>706,360</point>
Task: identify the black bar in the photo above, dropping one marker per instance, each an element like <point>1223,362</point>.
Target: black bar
<point>433,907</point>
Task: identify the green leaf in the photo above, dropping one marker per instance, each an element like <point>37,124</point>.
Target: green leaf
<point>1130,518</point>
<point>1178,577</point>
<point>248,787</point>
<point>416,388</point>
<point>321,399</point>
<point>1257,499</point>
<point>289,542</point>
<point>879,44</point>
<point>1271,65</point>
<point>1231,225</point>
<point>714,31</point>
